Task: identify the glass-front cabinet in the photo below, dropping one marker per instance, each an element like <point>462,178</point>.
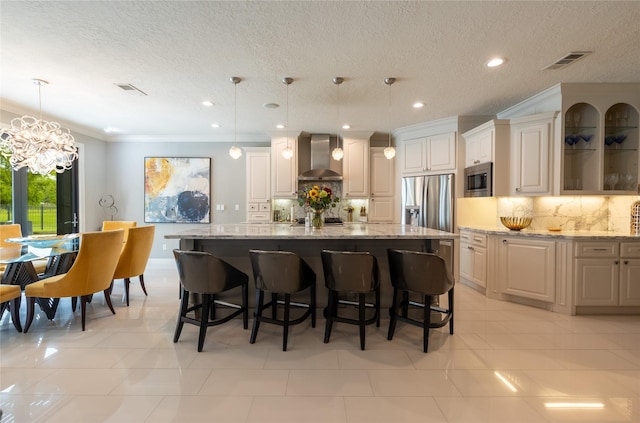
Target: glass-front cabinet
<point>600,152</point>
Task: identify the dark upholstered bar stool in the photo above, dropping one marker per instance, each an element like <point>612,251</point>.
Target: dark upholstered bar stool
<point>281,273</point>
<point>204,274</point>
<point>356,273</point>
<point>425,274</point>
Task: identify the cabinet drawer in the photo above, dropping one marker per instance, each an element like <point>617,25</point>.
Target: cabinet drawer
<point>630,249</point>
<point>252,207</point>
<point>479,240</point>
<point>597,249</point>
<point>265,207</point>
<point>465,236</point>
<point>258,217</point>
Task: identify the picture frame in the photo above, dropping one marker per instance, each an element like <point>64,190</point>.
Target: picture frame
<point>177,190</point>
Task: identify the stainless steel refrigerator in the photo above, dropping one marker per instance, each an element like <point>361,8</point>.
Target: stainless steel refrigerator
<point>428,201</point>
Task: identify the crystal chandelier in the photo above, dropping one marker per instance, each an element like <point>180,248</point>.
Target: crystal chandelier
<point>389,151</point>
<point>235,152</point>
<point>37,144</point>
<point>287,153</point>
<point>337,152</point>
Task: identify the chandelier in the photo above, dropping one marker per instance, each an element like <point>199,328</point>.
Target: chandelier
<point>37,144</point>
<point>287,153</point>
<point>389,151</point>
<point>337,152</point>
<point>235,152</point>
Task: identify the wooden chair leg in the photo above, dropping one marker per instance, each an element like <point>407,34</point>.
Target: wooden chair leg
<point>274,306</point>
<point>377,307</point>
<point>184,304</point>
<point>15,313</point>
<point>287,309</point>
<point>245,306</point>
<point>83,309</point>
<point>451,311</point>
<point>141,277</point>
<point>392,315</point>
<point>312,304</point>
<point>107,299</point>
<point>74,303</point>
<point>427,322</point>
<point>257,315</point>
<point>127,282</point>
<point>361,319</point>
<point>204,318</point>
<point>330,314</point>
<point>31,305</point>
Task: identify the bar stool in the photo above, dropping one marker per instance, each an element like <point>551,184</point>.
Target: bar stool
<point>281,273</point>
<point>356,273</point>
<point>205,274</point>
<point>425,274</point>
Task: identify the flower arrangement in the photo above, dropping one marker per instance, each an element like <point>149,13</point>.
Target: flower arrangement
<point>317,198</point>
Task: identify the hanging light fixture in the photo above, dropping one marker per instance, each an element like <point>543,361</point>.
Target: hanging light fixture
<point>37,144</point>
<point>235,152</point>
<point>389,152</point>
<point>337,152</point>
<point>287,153</point>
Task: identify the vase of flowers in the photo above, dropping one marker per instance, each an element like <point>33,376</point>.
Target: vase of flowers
<point>317,199</point>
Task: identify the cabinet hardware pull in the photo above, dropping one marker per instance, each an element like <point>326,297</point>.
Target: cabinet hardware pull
<point>626,262</point>
<point>600,249</point>
<point>469,247</point>
<point>517,189</point>
<point>504,241</point>
<point>616,262</point>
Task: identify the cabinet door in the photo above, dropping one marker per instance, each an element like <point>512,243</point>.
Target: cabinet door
<point>597,282</point>
<point>528,268</point>
<point>530,160</point>
<point>414,156</point>
<point>441,152</point>
<point>356,168</point>
<point>258,177</point>
<point>479,148</point>
<point>466,261</point>
<point>284,181</point>
<point>630,282</point>
<point>382,181</point>
<point>381,209</point>
<point>480,266</point>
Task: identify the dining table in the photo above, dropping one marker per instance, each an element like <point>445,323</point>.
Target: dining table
<point>58,250</point>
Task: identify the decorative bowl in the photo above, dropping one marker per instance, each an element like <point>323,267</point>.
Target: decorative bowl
<point>515,223</point>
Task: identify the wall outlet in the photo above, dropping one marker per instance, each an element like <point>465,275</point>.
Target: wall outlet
<point>237,207</point>
<point>164,247</point>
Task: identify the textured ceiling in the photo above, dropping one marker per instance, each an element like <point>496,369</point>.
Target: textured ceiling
<point>183,52</point>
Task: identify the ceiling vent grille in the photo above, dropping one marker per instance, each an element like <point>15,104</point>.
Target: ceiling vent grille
<point>567,59</point>
<point>131,88</point>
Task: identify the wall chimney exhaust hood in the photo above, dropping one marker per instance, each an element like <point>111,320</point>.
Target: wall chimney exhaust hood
<point>314,159</point>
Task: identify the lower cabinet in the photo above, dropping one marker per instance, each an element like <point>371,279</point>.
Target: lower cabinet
<point>473,258</point>
<point>527,268</point>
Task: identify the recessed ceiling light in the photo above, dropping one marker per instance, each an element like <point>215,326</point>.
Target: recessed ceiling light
<point>110,129</point>
<point>215,125</point>
<point>207,103</point>
<point>280,126</point>
<point>418,105</point>
<point>270,105</point>
<point>346,126</point>
<point>495,62</point>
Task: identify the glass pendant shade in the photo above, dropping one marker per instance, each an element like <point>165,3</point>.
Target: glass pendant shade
<point>287,153</point>
<point>235,152</point>
<point>337,153</point>
<point>389,152</point>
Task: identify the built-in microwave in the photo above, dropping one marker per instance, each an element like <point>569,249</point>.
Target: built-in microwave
<point>478,180</point>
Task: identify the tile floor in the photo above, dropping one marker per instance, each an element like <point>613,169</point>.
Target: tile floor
<point>505,363</point>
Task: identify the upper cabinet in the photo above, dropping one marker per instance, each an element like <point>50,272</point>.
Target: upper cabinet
<point>489,143</point>
<point>381,203</point>
<point>258,184</point>
<point>531,161</point>
<point>434,153</point>
<point>284,177</point>
<point>355,167</point>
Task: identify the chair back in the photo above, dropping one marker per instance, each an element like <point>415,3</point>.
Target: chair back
<point>420,272</point>
<point>350,271</point>
<point>110,225</point>
<point>280,271</point>
<point>205,273</point>
<point>9,250</point>
<point>136,252</point>
<point>92,271</point>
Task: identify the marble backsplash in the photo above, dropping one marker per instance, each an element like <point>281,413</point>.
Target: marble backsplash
<point>587,213</point>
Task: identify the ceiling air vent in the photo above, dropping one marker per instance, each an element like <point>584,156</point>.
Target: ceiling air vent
<point>131,88</point>
<point>567,59</point>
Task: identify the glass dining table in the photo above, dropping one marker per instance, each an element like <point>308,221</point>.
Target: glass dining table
<point>59,252</point>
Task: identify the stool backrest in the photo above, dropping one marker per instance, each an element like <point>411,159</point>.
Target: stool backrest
<point>419,272</point>
<point>350,271</point>
<point>280,271</point>
<point>205,273</point>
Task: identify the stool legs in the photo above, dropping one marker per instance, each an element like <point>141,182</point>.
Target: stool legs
<point>257,315</point>
<point>427,322</point>
<point>361,319</point>
<point>285,334</point>
<point>392,315</point>
<point>362,322</point>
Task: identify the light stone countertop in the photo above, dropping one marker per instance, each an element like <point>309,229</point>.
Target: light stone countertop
<point>288,231</point>
<point>579,235</point>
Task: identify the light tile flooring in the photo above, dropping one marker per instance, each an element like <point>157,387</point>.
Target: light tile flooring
<point>505,363</point>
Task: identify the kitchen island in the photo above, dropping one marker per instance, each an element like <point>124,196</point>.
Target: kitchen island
<point>232,242</point>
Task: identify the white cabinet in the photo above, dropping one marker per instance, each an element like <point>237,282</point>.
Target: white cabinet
<point>527,268</point>
<point>355,168</point>
<point>532,138</point>
<point>489,143</point>
<point>435,153</point>
<point>381,204</point>
<point>258,184</point>
<point>473,257</point>
<point>607,273</point>
<point>284,178</point>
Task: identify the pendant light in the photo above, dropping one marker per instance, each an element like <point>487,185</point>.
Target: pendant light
<point>337,152</point>
<point>389,152</point>
<point>287,153</point>
<point>235,152</point>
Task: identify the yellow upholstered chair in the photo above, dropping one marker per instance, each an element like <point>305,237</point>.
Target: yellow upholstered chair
<point>134,257</point>
<point>91,272</point>
<point>110,225</point>
<point>10,297</point>
<point>11,249</point>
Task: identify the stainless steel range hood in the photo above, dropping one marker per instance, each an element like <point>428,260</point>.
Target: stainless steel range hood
<point>314,159</point>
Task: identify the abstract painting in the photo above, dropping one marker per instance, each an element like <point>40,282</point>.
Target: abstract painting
<point>177,189</point>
